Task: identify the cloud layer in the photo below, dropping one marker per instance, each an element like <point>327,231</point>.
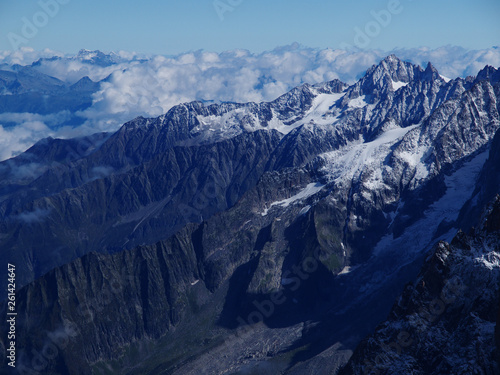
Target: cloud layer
<point>150,85</point>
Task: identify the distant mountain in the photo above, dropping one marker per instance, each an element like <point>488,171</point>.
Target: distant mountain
<point>153,249</point>
<point>25,90</point>
<point>97,57</point>
<point>86,56</point>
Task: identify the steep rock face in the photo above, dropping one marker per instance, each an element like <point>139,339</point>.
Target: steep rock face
<point>486,187</point>
<point>145,288</point>
<point>145,294</point>
<point>170,166</point>
<point>145,204</point>
<point>445,322</point>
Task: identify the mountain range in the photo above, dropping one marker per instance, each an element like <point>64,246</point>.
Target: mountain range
<point>266,238</point>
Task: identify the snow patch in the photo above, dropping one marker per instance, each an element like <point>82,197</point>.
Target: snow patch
<point>320,113</point>
<point>304,210</point>
<point>348,269</point>
<point>308,191</point>
<point>397,85</point>
<point>415,159</point>
<point>349,162</point>
<point>220,124</point>
<point>359,102</point>
<point>490,260</point>
<point>238,120</point>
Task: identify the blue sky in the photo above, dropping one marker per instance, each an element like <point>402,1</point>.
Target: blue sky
<point>171,27</point>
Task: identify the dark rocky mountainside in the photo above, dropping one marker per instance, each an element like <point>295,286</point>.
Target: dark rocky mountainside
<point>244,238</point>
<point>446,322</point>
<point>146,203</point>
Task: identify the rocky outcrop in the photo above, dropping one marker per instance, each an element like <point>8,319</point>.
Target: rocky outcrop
<point>445,321</point>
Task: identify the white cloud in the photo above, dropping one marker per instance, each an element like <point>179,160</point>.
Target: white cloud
<point>25,55</point>
<point>100,172</point>
<point>19,138</point>
<point>30,170</point>
<point>30,217</point>
<point>29,128</point>
<point>51,119</point>
<point>72,70</point>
